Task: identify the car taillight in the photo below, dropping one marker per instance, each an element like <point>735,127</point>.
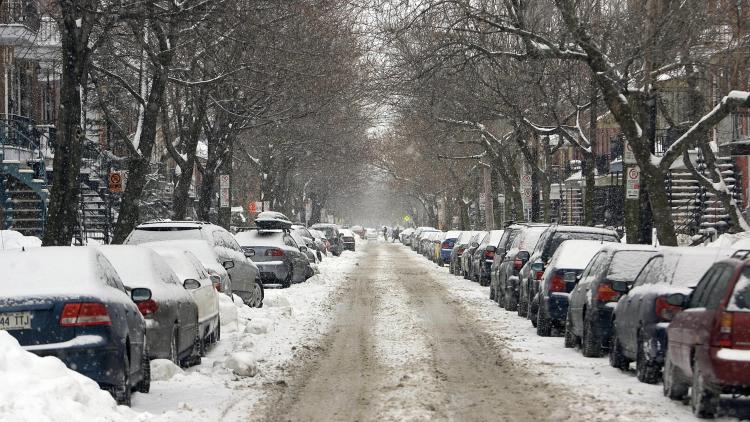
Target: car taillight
<point>274,252</point>
<point>148,307</point>
<point>665,311</point>
<point>538,275</point>
<point>83,314</point>
<point>517,264</point>
<point>724,336</point>
<point>557,283</point>
<point>445,245</point>
<point>489,254</point>
<point>460,251</point>
<point>605,293</point>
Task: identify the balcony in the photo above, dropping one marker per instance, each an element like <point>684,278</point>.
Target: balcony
<point>19,22</point>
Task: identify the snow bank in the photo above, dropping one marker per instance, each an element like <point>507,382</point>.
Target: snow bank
<point>164,369</point>
<point>11,239</point>
<point>734,240</point>
<point>43,389</point>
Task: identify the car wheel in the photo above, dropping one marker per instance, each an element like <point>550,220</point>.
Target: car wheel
<point>258,295</point>
<point>492,293</point>
<point>570,338</point>
<point>674,387</point>
<point>704,400</point>
<point>122,393</point>
<point>320,256</point>
<point>288,281</point>
<point>592,346</point>
<point>511,303</point>
<point>523,307</point>
<point>217,334</point>
<point>646,370</point>
<point>543,324</point>
<point>616,358</point>
<point>144,386</point>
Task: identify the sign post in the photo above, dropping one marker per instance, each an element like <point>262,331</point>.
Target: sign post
<point>116,181</point>
<point>632,183</point>
<point>224,199</point>
<point>526,193</point>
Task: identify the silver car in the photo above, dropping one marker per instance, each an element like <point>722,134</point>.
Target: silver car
<point>242,271</point>
<point>278,256</point>
<point>171,314</point>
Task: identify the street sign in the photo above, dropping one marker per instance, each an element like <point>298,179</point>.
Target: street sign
<point>627,156</point>
<point>116,182</point>
<point>224,181</point>
<point>632,183</point>
<point>407,218</point>
<point>252,207</point>
<point>224,191</point>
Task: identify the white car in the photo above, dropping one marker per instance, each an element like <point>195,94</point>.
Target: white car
<point>196,280</point>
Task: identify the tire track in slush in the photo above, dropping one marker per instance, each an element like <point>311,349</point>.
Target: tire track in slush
<point>401,348</point>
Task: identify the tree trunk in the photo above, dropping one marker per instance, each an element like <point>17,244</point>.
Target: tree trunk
<point>589,167</point>
<point>62,213</point>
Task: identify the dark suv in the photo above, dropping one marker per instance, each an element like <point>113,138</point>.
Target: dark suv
<point>507,288</point>
<point>530,275</point>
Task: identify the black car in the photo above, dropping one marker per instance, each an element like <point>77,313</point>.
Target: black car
<point>530,275</point>
<point>332,234</point>
<point>482,257</point>
<point>643,314</point>
<point>459,246</point>
<point>468,255</point>
<point>507,289</point>
<point>509,234</point>
<point>589,319</point>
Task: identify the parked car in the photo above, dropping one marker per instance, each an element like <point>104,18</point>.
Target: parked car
<point>481,259</point>
<point>709,342</point>
<point>446,247</point>
<point>509,234</point>
<point>417,234</point>
<point>242,271</point>
<point>280,259</point>
<point>459,246</point>
<point>371,234</point>
<point>314,249</point>
<point>531,273</point>
<point>590,310</point>
<point>347,237</point>
<point>359,231</point>
<point>332,234</point>
<point>171,313</point>
<point>320,240</point>
<point>80,314</point>
<point>644,312</point>
<point>189,269</point>
<point>508,285</point>
<point>558,280</point>
<point>466,257</point>
<point>405,236</point>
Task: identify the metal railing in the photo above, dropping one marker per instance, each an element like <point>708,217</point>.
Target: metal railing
<point>24,12</point>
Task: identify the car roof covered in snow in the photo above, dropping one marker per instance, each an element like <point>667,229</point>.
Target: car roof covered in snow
<point>575,254</point>
<point>57,271</point>
<point>684,266</point>
<point>150,271</point>
<point>200,248</point>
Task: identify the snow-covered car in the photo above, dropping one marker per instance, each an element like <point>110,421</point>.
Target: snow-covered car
<point>278,256</point>
<point>198,283</point>
<point>69,302</point>
<point>359,231</point>
<point>171,313</point>
<point>332,234</point>
<point>242,271</point>
<point>347,237</point>
<point>371,234</point>
<point>558,280</point>
<point>315,249</point>
<point>320,240</point>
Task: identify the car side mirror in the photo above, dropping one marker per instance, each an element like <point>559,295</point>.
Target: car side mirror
<point>191,284</point>
<point>677,299</point>
<point>620,286</point>
<point>303,248</point>
<point>539,267</point>
<point>474,244</point>
<point>140,294</point>
<point>491,249</point>
<point>523,255</point>
<point>228,265</point>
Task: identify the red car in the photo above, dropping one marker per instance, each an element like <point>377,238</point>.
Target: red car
<point>709,342</point>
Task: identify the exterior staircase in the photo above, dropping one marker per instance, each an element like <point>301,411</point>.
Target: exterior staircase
<point>23,195</point>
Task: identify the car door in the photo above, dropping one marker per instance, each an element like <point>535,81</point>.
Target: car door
<point>206,296</point>
<point>578,298</point>
<point>628,308</point>
<point>136,326</point>
<point>299,259</point>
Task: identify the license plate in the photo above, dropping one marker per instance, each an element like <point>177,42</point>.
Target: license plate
<point>15,320</point>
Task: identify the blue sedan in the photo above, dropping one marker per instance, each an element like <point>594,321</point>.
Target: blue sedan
<point>70,303</point>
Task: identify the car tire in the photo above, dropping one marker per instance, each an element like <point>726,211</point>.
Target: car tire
<point>570,339</point>
<point>674,387</point>
<point>523,307</point>
<point>616,358</point>
<point>492,293</point>
<point>592,345</point>
<point>258,295</point>
<point>511,303</point>
<point>704,400</point>
<point>173,352</point>
<point>646,371</point>
<point>543,324</point>
<point>123,393</point>
<point>144,385</point>
<point>288,281</point>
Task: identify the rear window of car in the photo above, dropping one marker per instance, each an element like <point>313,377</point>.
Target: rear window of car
<point>528,238</point>
<point>686,270</point>
<point>153,234</point>
<point>260,238</point>
<point>559,237</point>
<point>740,300</point>
<point>626,265</point>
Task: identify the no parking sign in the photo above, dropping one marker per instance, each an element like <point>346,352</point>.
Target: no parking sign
<point>632,183</point>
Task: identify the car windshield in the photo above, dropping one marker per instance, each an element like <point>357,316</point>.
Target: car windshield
<point>152,234</point>
<point>528,238</point>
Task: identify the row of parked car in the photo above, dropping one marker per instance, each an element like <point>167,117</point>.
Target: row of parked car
<point>107,310</point>
<point>680,314</point>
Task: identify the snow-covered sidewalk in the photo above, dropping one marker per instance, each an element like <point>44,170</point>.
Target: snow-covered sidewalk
<point>599,389</point>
